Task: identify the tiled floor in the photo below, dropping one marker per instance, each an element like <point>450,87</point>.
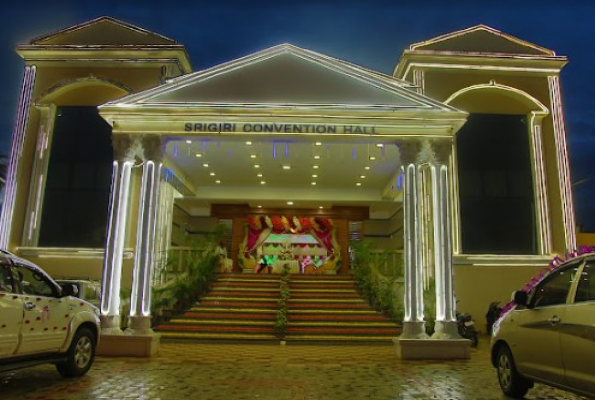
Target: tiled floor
<point>233,371</point>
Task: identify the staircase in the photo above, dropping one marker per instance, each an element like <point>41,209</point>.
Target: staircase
<point>239,307</point>
<point>328,308</point>
<point>243,307</point>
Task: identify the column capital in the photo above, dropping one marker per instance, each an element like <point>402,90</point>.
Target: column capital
<point>123,147</point>
<point>409,150</point>
<point>152,147</point>
<point>442,150</point>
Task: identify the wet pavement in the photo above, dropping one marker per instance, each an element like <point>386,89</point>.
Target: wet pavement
<point>248,371</point>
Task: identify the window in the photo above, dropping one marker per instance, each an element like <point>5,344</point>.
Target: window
<point>31,282</point>
<point>497,199</point>
<point>5,279</point>
<point>586,284</point>
<point>77,188</point>
<point>554,289</point>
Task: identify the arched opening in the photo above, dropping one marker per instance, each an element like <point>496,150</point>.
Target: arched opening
<point>498,208</point>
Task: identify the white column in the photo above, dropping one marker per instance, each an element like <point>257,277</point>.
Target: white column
<point>413,324</point>
<point>116,230</point>
<point>140,302</point>
<point>18,140</point>
<point>445,325</point>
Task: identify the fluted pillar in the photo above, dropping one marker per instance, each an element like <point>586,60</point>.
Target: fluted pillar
<point>140,302</point>
<point>413,324</point>
<point>123,147</point>
<point>445,325</point>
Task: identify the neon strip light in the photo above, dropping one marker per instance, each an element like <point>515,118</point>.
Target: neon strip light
<point>478,67</point>
<point>563,167</point>
<point>541,186</point>
<point>18,139</point>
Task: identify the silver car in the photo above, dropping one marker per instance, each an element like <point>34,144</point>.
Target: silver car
<point>549,334</point>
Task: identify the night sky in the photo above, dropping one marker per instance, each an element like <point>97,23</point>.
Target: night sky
<point>366,32</point>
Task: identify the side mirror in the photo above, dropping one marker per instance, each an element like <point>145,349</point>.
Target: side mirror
<point>69,289</point>
<point>521,298</point>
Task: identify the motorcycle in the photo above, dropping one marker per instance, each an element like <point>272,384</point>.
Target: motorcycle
<point>466,328</point>
<point>494,311</point>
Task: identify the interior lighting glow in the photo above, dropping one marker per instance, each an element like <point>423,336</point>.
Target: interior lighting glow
<point>286,167</point>
<point>362,176</point>
<point>317,157</point>
<point>367,168</point>
<point>252,155</point>
<point>321,207</point>
<point>189,141</point>
<point>358,184</point>
<point>217,181</point>
<point>256,165</point>
<point>263,182</point>
<point>212,174</point>
<point>290,203</point>
<point>259,175</point>
<point>248,143</point>
<point>379,145</point>
<point>259,206</point>
<point>315,166</point>
<point>318,144</point>
<point>313,183</point>
<point>198,155</point>
<point>206,165</point>
<point>314,176</point>
<point>372,158</point>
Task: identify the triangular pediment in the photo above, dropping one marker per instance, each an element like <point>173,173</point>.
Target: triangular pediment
<point>103,31</point>
<point>481,39</point>
<point>285,76</point>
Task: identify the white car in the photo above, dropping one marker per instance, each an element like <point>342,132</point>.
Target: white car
<point>549,335</point>
<point>43,322</point>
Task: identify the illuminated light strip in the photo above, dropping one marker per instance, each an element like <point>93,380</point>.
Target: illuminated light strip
<point>478,67</point>
<point>18,139</point>
<point>486,28</point>
<point>112,264</point>
<point>541,186</point>
<point>497,86</point>
<point>438,244</point>
<point>563,167</point>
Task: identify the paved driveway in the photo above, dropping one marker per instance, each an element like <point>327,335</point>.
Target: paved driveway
<point>234,372</point>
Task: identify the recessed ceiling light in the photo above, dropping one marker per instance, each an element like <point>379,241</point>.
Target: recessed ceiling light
<point>199,155</point>
<point>314,176</point>
<point>363,176</point>
<point>212,174</point>
<point>372,158</point>
<point>317,157</point>
<point>379,145</point>
<point>366,168</point>
<point>318,144</point>
<point>259,206</point>
<point>259,175</point>
<point>252,155</point>
<point>217,181</point>
<point>321,207</point>
<point>256,166</point>
<point>315,166</point>
<point>287,167</point>
<point>313,183</point>
<point>248,143</point>
<point>189,141</point>
<point>206,165</point>
<point>290,203</point>
<point>262,182</point>
<point>358,184</point>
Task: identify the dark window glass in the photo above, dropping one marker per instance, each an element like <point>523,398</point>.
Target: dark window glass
<point>554,289</point>
<point>496,187</point>
<point>586,284</point>
<point>77,189</point>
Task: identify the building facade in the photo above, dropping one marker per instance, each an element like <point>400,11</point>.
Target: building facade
<point>459,160</point>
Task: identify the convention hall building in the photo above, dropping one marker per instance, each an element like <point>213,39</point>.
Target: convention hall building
<point>457,163</point>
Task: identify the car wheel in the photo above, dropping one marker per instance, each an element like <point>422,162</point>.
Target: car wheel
<point>80,355</point>
<point>511,382</point>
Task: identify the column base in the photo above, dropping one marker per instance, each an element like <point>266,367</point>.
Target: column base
<point>110,325</point>
<point>128,345</point>
<point>432,349</point>
<point>414,330</point>
<point>140,326</point>
<point>446,330</point>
